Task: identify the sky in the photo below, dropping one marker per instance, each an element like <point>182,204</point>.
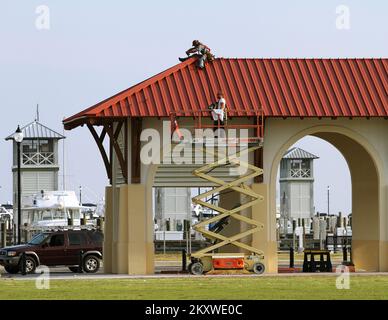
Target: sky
<point>94,49</point>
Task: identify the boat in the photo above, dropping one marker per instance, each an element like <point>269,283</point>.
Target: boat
<point>52,209</point>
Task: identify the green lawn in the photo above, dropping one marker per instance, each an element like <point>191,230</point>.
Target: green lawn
<point>321,287</point>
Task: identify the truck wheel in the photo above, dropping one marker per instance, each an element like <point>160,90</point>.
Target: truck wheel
<point>258,268</point>
<point>91,264</point>
<point>30,265</point>
<point>12,269</point>
<point>196,268</point>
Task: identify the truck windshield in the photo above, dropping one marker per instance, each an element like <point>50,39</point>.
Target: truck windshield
<point>38,239</point>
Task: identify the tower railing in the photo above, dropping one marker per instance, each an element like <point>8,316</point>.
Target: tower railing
<point>38,158</point>
<point>300,173</point>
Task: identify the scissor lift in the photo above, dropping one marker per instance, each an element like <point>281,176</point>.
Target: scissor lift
<point>208,259</point>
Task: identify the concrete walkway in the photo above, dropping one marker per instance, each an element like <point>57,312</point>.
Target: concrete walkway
<point>72,276</point>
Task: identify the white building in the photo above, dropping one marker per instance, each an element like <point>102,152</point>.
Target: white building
<point>39,161</point>
<point>297,185</point>
<point>172,208</point>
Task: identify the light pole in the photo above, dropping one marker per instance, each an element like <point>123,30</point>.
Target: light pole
<point>80,195</point>
<point>328,200</point>
<point>18,137</point>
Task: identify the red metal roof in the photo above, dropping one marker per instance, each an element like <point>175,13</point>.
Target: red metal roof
<point>282,87</point>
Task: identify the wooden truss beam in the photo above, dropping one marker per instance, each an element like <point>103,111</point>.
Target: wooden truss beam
<point>112,130</point>
<point>99,139</point>
<point>122,155</point>
<point>136,127</point>
<point>259,154</point>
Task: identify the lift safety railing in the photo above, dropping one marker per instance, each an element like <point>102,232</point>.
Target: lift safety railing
<point>200,116</point>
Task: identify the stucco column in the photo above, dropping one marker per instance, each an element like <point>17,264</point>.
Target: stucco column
<point>366,237</point>
<point>120,242</point>
<point>108,234</point>
<point>128,243</point>
<point>265,240</point>
<point>140,232</point>
<point>384,229</point>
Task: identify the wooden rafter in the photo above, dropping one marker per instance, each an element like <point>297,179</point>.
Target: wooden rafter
<point>122,157</point>
<point>259,153</point>
<point>136,127</point>
<point>100,144</point>
<point>113,134</point>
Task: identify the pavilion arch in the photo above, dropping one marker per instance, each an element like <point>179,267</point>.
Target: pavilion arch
<point>365,169</point>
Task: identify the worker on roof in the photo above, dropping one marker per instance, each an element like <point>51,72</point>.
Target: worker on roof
<point>200,50</point>
<point>218,110</point>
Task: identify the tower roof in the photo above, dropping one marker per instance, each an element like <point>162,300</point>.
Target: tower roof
<point>297,153</point>
<point>36,130</point>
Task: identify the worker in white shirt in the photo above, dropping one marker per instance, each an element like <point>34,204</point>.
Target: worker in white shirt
<point>218,112</point>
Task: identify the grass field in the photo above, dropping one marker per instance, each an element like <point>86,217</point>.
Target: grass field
<point>319,287</point>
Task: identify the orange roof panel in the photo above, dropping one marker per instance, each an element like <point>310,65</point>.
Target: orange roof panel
<point>281,87</point>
